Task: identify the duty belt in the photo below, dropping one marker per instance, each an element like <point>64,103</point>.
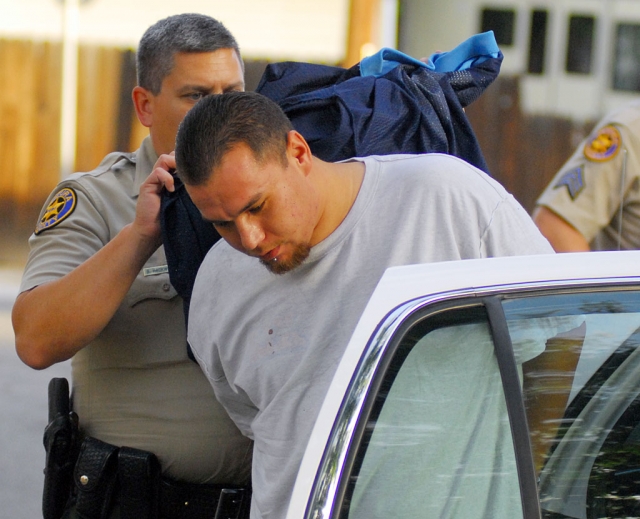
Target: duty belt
<point>187,501</point>
<point>106,475</point>
<point>98,476</point>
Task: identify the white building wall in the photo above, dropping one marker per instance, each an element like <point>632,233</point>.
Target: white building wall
<point>430,25</point>
<point>310,30</point>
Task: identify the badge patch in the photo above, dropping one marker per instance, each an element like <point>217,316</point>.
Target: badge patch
<point>573,180</point>
<point>62,205</point>
<point>604,146</point>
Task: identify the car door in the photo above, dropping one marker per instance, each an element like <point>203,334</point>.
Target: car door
<point>462,402</point>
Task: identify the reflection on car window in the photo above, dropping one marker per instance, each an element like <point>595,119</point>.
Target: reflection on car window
<point>438,441</point>
<point>582,399</point>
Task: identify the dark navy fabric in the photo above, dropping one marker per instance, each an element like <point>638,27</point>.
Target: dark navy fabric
<point>342,114</point>
<point>186,238</point>
<point>408,110</point>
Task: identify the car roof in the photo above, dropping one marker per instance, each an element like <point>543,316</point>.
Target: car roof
<point>399,285</point>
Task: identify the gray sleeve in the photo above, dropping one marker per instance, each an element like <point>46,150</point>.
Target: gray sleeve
<point>56,251</point>
<point>511,232</point>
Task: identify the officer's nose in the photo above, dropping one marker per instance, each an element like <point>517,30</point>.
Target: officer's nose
<point>250,232</point>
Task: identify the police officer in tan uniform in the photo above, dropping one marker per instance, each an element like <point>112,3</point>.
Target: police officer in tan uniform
<point>96,289</point>
<point>593,202</point>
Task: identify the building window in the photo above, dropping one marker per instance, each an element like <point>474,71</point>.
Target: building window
<point>501,22</point>
<point>537,41</point>
<point>626,64</point>
<point>580,44</point>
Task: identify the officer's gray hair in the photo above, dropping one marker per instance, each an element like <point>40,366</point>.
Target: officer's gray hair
<point>187,32</point>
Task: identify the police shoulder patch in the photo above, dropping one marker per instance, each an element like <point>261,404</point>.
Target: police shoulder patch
<point>605,145</point>
<point>60,207</point>
<point>573,180</point>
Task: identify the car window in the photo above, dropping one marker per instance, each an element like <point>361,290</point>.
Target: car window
<point>581,393</point>
<point>438,441</point>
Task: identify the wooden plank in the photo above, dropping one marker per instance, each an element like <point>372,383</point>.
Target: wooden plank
<point>29,108</point>
<point>8,121</point>
<point>45,172</point>
<point>98,99</point>
<point>364,21</point>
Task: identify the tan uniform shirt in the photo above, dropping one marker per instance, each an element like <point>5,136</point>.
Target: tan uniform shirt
<point>595,191</point>
<point>134,384</point>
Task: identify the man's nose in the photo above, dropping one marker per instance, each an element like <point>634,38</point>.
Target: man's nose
<point>251,234</point>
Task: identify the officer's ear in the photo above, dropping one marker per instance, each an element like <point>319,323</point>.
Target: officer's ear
<point>143,103</point>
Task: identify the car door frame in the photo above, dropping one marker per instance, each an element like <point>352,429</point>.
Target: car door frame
<point>328,487</point>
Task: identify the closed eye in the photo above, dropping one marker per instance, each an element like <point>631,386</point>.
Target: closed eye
<point>256,209</point>
<point>222,225</point>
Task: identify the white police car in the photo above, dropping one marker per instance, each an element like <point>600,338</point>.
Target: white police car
<point>498,388</point>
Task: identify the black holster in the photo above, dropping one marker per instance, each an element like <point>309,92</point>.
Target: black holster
<point>60,443</point>
<point>98,476</point>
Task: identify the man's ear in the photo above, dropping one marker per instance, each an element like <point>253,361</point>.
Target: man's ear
<point>143,103</point>
<point>298,149</point>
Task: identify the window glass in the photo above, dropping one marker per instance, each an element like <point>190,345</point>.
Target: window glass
<point>438,441</point>
<point>537,41</point>
<point>581,394</point>
<point>501,22</point>
<point>580,44</point>
<point>626,65</point>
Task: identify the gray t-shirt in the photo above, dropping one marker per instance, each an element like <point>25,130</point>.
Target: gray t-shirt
<point>275,343</point>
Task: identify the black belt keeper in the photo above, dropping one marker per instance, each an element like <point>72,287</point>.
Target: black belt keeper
<point>179,500</point>
<point>139,475</point>
<point>235,503</point>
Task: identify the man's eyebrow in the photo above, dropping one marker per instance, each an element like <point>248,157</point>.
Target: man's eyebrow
<point>207,90</point>
<point>234,86</point>
<point>248,206</point>
<point>191,88</point>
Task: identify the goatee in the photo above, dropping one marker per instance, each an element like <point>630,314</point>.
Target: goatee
<point>277,266</point>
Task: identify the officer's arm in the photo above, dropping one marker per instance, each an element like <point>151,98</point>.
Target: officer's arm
<point>562,236</point>
<point>55,320</point>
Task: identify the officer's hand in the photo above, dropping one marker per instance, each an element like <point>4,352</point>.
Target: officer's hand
<point>147,221</point>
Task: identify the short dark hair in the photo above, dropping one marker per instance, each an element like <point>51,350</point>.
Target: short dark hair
<point>189,32</point>
<point>219,122</point>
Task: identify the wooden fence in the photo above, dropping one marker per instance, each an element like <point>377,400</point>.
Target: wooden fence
<point>523,152</point>
<point>30,91</point>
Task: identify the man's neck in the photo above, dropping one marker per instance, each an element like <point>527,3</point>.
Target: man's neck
<point>339,184</point>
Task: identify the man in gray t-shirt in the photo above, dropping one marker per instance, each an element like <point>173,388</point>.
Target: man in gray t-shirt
<point>325,232</point>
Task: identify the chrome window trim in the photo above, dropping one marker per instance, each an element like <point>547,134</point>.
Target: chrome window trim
<point>322,501</point>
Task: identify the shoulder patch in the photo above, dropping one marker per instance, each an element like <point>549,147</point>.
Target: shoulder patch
<point>605,145</point>
<point>573,180</point>
<point>62,205</point>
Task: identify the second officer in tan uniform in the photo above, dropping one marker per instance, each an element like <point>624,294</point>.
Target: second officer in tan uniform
<point>593,202</point>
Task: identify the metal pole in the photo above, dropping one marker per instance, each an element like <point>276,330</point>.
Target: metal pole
<point>69,100</point>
